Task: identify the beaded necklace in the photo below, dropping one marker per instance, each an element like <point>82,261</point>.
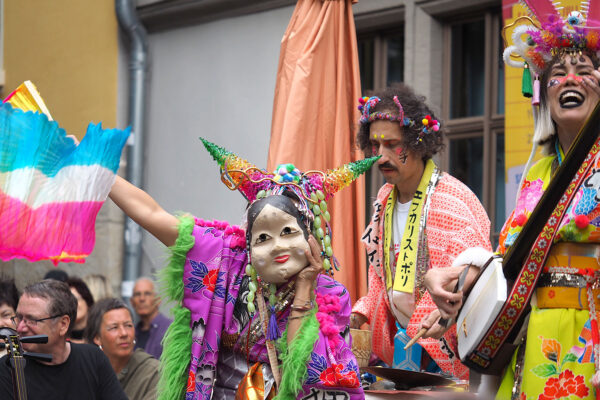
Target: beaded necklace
<point>254,331</point>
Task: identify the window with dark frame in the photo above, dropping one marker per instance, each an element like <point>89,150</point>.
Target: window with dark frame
<point>473,109</point>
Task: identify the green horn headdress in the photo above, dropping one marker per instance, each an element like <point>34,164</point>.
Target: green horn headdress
<point>312,188</point>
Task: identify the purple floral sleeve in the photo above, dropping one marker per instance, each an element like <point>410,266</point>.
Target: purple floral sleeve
<point>211,284</point>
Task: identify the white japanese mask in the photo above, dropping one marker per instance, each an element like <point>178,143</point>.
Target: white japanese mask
<point>277,245</point>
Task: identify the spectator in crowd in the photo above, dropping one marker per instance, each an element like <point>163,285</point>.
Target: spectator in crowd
<point>84,302</point>
<point>152,325</point>
<point>57,275</point>
<point>110,326</point>
<point>99,286</point>
<point>77,371</point>
<point>9,298</point>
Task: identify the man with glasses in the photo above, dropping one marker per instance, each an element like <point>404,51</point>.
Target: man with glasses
<point>77,371</point>
<point>152,325</point>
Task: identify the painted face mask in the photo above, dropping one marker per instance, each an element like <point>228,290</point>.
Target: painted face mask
<point>278,246</point>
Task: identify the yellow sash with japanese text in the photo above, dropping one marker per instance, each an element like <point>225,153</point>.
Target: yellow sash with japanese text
<point>406,263</point>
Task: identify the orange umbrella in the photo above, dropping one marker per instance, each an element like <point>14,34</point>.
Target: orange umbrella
<point>315,116</point>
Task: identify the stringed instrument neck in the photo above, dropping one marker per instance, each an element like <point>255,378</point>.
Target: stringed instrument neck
<point>18,367</point>
<point>16,357</point>
<point>17,361</point>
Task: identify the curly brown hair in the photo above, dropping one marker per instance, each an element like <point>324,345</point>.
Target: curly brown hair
<point>415,109</point>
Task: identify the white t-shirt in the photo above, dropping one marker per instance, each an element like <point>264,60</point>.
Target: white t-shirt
<point>402,303</point>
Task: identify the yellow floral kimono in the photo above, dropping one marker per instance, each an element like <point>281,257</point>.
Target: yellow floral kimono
<point>557,357</point>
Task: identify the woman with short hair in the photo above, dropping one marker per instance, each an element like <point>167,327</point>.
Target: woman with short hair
<point>110,327</point>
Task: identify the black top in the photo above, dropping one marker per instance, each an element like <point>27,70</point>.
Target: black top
<point>86,374</point>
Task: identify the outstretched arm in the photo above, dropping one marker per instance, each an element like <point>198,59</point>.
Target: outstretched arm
<point>144,210</point>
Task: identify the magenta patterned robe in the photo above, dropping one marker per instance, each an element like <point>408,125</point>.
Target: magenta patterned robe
<point>215,290</point>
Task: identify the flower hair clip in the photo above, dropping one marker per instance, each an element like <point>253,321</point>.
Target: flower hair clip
<point>361,103</point>
<point>430,125</point>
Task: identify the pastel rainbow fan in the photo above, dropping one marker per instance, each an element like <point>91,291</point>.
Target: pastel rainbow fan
<point>27,98</point>
<point>51,189</point>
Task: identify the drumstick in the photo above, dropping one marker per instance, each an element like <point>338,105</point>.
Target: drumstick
<point>444,322</point>
<point>415,338</point>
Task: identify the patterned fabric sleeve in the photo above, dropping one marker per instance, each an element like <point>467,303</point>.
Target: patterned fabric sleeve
<point>501,249</point>
<point>530,192</point>
<point>365,304</point>
<point>211,280</point>
<point>456,222</point>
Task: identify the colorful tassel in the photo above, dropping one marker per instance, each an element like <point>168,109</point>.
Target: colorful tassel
<point>273,330</point>
<point>535,100</point>
<point>526,86</point>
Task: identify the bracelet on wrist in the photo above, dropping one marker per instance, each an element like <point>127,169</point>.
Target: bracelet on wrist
<point>307,306</point>
<point>297,316</point>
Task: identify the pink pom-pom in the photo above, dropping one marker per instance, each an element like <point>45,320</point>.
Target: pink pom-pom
<point>582,221</point>
<point>328,305</point>
<point>238,242</point>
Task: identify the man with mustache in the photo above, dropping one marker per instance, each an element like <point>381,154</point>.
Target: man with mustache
<point>423,218</point>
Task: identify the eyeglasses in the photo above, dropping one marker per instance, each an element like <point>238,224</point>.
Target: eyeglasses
<point>31,322</point>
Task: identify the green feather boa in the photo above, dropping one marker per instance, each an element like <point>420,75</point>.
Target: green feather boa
<point>295,357</point>
<point>177,342</point>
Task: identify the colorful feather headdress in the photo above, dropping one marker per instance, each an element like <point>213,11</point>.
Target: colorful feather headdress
<point>548,33</point>
<point>51,189</point>
<point>312,188</point>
